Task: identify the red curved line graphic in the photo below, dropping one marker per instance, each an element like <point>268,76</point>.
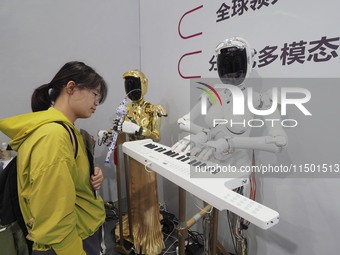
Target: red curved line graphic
<point>179,64</point>
<point>180,21</point>
<point>213,90</point>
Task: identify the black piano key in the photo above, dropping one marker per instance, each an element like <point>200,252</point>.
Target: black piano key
<point>149,145</point>
<point>158,149</point>
<point>180,157</point>
<point>162,150</point>
<point>168,152</point>
<point>192,162</point>
<point>197,163</point>
<point>174,155</point>
<point>185,159</point>
<point>203,165</point>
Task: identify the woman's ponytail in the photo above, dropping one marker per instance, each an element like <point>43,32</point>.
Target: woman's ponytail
<point>40,99</point>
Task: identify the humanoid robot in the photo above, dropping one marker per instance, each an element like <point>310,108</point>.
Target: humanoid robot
<point>140,120</point>
<point>227,143</point>
<point>223,142</point>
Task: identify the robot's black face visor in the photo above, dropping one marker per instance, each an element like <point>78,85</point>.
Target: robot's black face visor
<point>232,65</point>
<point>133,88</point>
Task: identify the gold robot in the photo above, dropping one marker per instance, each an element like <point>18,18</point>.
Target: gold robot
<point>142,120</point>
<point>142,112</point>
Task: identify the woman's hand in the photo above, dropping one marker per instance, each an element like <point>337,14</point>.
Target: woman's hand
<point>97,178</point>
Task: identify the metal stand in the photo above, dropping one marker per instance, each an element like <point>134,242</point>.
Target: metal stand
<point>184,225</point>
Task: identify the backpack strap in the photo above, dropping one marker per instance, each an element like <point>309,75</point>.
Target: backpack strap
<point>73,137</point>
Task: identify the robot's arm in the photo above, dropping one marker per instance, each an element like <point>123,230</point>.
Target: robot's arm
<point>157,112</point>
<point>129,125</point>
<point>186,124</point>
<point>277,137</point>
<point>266,143</point>
<point>198,134</point>
<point>274,141</point>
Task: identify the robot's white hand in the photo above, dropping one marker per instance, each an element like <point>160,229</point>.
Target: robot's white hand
<point>191,143</point>
<point>101,134</point>
<point>184,123</point>
<point>182,145</point>
<point>280,141</point>
<point>220,148</point>
<point>131,128</point>
<point>104,137</point>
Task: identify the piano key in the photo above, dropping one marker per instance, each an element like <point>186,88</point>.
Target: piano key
<point>180,157</point>
<point>174,155</point>
<point>168,152</point>
<point>197,163</point>
<point>149,145</point>
<point>185,159</point>
<point>192,162</point>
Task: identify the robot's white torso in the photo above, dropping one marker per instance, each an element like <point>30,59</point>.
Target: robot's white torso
<point>233,125</point>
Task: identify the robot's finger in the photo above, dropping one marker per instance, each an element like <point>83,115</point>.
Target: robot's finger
<point>176,147</point>
<point>173,147</point>
<point>186,149</point>
<point>181,146</point>
<point>195,151</point>
<point>207,154</point>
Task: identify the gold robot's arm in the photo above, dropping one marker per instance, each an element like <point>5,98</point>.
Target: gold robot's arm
<point>157,112</point>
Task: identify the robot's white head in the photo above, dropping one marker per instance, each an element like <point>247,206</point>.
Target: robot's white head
<point>234,60</point>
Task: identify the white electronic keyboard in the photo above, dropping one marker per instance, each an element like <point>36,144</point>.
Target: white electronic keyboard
<point>215,191</point>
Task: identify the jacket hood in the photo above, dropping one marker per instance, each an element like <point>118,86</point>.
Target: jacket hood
<point>19,127</point>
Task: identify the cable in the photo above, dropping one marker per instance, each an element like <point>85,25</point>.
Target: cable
<point>170,234</point>
<point>167,251</point>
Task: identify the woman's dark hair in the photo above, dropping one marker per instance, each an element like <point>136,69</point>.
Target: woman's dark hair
<point>84,76</point>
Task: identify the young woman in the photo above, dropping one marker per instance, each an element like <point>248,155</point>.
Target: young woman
<point>56,189</point>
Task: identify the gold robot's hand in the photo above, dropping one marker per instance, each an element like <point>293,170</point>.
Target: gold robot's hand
<point>160,110</point>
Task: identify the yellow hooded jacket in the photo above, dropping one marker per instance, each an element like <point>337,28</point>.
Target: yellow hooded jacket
<point>55,194</point>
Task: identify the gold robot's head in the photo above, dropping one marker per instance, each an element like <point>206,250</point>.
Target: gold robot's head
<point>136,84</point>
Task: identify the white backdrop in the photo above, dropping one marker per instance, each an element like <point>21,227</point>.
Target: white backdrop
<point>178,42</point>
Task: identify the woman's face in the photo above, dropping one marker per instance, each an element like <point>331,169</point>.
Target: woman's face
<point>85,101</point>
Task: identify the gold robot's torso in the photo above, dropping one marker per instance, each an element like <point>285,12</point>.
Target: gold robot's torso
<point>147,116</point>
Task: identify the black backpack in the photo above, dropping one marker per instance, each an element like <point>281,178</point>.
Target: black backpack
<point>9,202</point>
